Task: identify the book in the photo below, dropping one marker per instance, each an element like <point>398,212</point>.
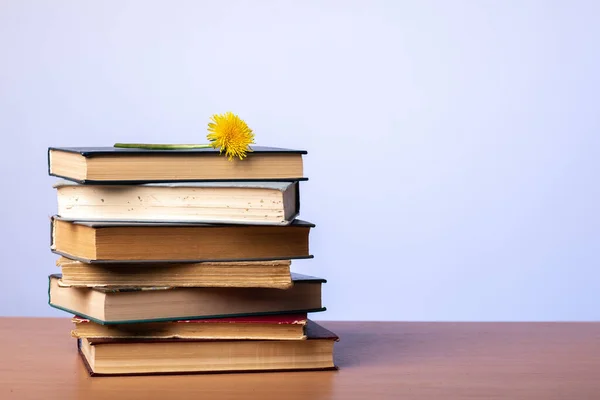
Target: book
<point>90,241</point>
<point>268,203</point>
<point>176,356</point>
<point>136,305</point>
<point>266,327</point>
<point>111,164</point>
<point>266,274</point>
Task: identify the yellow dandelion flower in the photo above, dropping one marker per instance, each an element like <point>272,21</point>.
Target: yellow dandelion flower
<point>231,134</point>
<point>227,131</point>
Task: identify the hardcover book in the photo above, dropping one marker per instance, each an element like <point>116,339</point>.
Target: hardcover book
<point>131,165</point>
<point>266,274</point>
<point>136,305</point>
<point>90,241</point>
<point>262,203</point>
<point>178,356</point>
<point>265,327</point>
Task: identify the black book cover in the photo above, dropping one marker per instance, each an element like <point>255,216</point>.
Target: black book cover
<point>90,152</point>
<point>97,151</point>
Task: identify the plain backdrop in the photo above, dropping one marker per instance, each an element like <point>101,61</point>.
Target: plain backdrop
<point>453,146</point>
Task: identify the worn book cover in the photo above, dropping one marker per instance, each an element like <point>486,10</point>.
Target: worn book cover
<point>159,304</point>
<point>257,203</point>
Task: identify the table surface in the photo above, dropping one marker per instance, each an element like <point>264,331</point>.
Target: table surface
<point>377,360</point>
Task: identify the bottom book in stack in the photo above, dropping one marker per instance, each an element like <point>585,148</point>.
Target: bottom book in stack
<point>220,345</point>
<point>173,330</point>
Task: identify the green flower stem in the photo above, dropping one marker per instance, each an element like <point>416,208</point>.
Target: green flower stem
<point>154,146</point>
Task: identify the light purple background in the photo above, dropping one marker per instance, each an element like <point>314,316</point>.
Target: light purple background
<point>453,145</point>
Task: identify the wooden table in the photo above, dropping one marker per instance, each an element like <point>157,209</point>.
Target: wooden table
<point>377,360</point>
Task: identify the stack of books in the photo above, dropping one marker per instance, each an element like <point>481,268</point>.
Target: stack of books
<point>179,261</point>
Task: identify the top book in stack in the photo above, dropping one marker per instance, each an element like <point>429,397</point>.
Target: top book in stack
<point>138,165</point>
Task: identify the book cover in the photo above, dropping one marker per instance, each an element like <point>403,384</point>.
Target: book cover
<point>282,319</point>
<point>266,234</point>
<point>90,153</point>
<point>298,279</point>
<point>186,202</point>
